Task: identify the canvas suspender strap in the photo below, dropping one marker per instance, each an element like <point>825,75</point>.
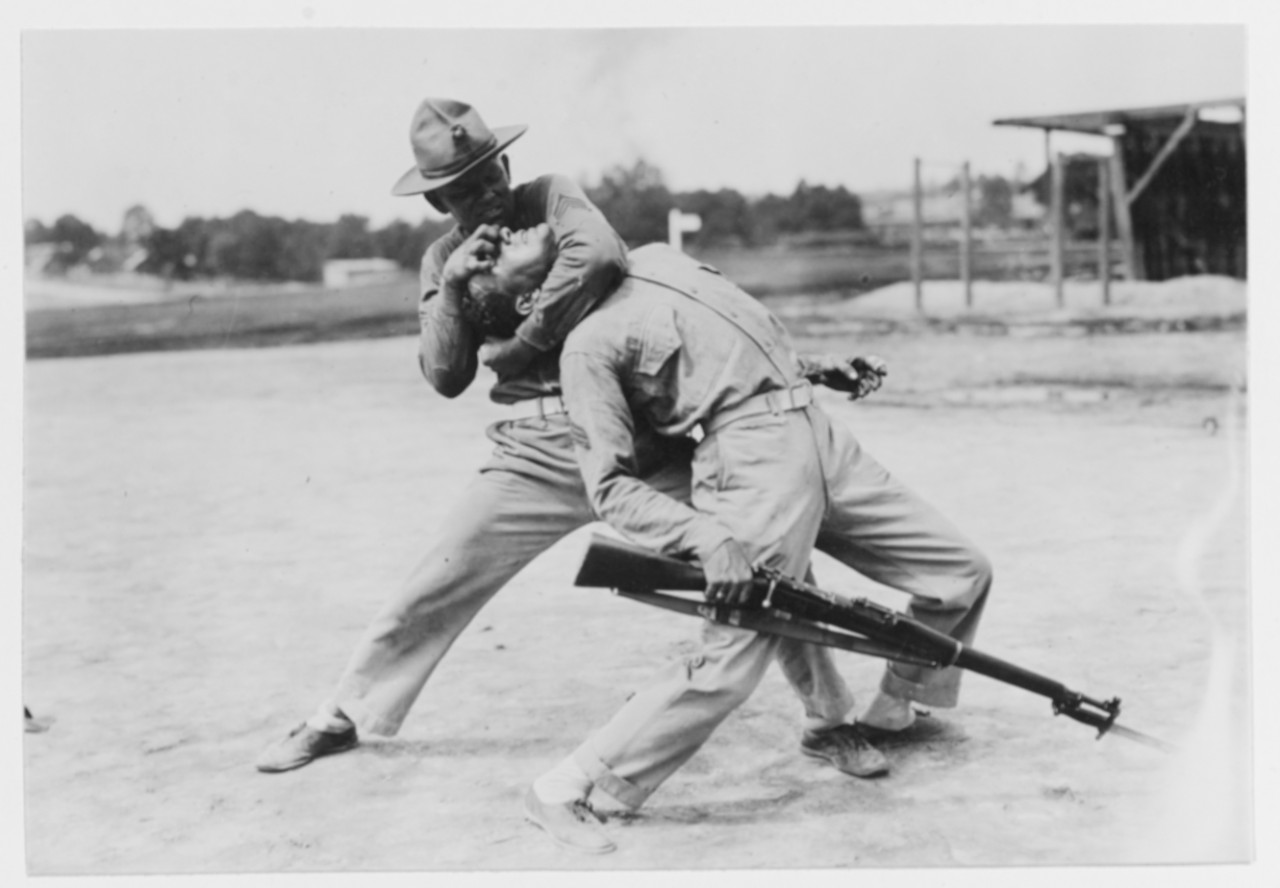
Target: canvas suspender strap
<point>788,375</point>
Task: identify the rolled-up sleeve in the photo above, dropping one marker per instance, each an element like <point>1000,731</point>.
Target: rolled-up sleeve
<point>604,442</point>
<point>590,261</point>
<point>447,346</point>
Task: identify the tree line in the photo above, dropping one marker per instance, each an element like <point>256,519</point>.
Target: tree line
<point>251,246</point>
<point>246,246</point>
<point>636,201</point>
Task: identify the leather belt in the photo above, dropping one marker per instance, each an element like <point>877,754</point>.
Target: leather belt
<point>797,397</point>
<point>539,408</point>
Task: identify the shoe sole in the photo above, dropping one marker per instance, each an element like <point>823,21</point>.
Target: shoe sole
<point>924,729</point>
<point>293,766</point>
<point>822,757</point>
<point>533,818</point>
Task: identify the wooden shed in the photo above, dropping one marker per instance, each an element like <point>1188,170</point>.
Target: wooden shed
<point>1177,175</point>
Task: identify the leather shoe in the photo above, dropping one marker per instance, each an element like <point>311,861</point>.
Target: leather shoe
<point>573,825</point>
<point>846,749</point>
<point>303,744</point>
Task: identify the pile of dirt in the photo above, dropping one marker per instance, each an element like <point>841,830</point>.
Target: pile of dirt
<point>1181,297</point>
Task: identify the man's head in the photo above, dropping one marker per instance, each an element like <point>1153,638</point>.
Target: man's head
<point>461,169</point>
<point>499,299</point>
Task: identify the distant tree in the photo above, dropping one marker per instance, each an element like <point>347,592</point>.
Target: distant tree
<point>771,215</point>
<point>76,241</point>
<point>350,238</point>
<point>635,200</point>
<point>136,226</point>
<point>398,242</point>
<point>304,247</point>
<point>248,246</point>
<point>77,238</point>
<point>726,217</point>
<point>406,243</point>
<point>809,208</point>
<point>166,255</point>
<point>819,208</point>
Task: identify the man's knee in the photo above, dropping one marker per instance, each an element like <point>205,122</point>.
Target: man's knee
<point>973,580</point>
<point>965,581</point>
<point>980,572</point>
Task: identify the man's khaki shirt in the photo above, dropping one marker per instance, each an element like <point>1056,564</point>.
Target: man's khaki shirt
<point>676,344</point>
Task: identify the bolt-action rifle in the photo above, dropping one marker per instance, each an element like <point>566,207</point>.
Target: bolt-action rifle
<point>785,606</point>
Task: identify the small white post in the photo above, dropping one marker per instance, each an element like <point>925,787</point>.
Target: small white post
<point>678,223</point>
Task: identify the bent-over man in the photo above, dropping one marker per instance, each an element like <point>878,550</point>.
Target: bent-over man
<point>677,348</point>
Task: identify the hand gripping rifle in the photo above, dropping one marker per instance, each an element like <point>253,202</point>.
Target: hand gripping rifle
<point>800,610</point>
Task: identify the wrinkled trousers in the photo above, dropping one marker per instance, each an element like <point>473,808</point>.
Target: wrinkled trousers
<point>781,483</point>
<point>524,500</point>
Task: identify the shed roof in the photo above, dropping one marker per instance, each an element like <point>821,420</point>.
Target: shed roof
<point>1096,122</point>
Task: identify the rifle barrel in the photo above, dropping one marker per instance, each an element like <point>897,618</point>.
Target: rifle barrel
<point>1002,670</point>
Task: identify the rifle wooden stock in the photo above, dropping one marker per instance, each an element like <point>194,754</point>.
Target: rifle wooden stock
<point>613,564</point>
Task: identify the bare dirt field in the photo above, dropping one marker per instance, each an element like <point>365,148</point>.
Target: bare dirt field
<point>207,532</point>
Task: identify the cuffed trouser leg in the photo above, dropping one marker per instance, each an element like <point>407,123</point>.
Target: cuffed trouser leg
<point>882,529</point>
<point>763,481</point>
<point>664,724</point>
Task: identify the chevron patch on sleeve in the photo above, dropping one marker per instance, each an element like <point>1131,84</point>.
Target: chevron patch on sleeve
<point>566,203</point>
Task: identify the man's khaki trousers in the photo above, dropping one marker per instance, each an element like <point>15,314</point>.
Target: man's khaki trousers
<point>781,483</point>
<point>524,500</point>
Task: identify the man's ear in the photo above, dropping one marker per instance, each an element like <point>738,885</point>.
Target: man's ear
<point>435,203</point>
<point>525,302</point>
<point>506,166</point>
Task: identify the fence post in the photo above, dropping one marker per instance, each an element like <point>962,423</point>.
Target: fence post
<point>1104,228</point>
<point>1058,211</point>
<point>917,239</point>
<point>966,239</point>
<point>1119,200</point>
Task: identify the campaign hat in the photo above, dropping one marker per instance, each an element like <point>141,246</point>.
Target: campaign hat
<point>449,138</point>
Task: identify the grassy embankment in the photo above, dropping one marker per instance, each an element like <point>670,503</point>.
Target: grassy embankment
<point>274,316</point>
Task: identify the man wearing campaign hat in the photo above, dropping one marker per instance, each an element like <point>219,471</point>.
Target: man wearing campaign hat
<point>462,171</point>
<point>530,494</point>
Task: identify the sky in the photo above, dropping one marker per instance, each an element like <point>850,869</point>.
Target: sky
<point>313,122</point>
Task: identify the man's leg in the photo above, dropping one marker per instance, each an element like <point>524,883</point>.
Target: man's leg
<point>882,529</point>
<point>763,482</point>
<point>508,515</point>
<point>503,521</point>
<point>809,669</point>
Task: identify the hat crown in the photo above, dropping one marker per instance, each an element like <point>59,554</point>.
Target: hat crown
<point>448,136</point>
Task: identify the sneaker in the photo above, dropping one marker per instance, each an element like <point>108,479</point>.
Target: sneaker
<point>573,825</point>
<point>846,749</point>
<point>303,744</point>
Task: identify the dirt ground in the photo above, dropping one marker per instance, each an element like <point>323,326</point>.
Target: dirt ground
<point>207,532</point>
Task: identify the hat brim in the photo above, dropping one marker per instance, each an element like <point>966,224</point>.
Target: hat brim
<point>413,182</point>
